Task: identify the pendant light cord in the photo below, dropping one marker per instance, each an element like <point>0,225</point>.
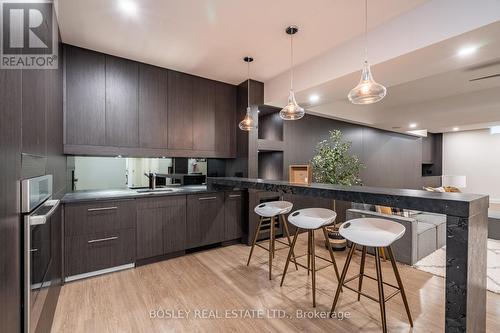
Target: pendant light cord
<point>291,62</point>
<point>366,30</point>
<point>248,92</point>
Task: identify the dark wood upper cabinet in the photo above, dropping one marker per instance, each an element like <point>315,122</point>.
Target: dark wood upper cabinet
<point>203,114</point>
<point>122,102</point>
<point>85,97</point>
<point>205,219</point>
<point>153,117</point>
<point>225,119</point>
<point>180,111</point>
<point>34,111</point>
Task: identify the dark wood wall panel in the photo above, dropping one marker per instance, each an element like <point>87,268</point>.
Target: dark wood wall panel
<point>10,221</point>
<point>153,87</point>
<point>122,108</point>
<point>85,96</point>
<point>390,159</point>
<point>225,118</point>
<point>35,84</point>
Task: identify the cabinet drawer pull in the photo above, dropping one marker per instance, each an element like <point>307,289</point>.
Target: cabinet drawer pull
<point>102,239</point>
<point>207,198</point>
<point>100,209</point>
<point>235,195</point>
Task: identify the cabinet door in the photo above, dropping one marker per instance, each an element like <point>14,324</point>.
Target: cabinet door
<point>203,114</point>
<point>233,215</point>
<point>205,219</point>
<point>149,228</point>
<point>34,111</point>
<point>161,226</point>
<point>85,97</point>
<point>153,125</point>
<point>180,111</point>
<point>122,117</point>
<point>225,119</point>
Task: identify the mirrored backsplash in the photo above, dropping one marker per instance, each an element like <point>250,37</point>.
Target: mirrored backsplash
<point>95,173</point>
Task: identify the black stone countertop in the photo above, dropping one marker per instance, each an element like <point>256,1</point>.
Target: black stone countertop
<point>117,194</point>
<point>456,204</point>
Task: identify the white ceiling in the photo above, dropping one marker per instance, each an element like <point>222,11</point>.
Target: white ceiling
<point>429,87</point>
<point>209,38</point>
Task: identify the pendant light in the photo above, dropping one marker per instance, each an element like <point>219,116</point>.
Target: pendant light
<point>292,111</point>
<point>248,124</point>
<point>367,91</point>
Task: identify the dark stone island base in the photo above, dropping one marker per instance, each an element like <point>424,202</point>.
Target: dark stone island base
<point>466,231</point>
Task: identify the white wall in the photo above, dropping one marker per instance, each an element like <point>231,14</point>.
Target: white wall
<point>475,154</point>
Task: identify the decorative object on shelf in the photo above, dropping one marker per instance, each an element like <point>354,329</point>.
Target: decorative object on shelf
<point>292,111</point>
<point>367,91</point>
<point>450,181</point>
<point>248,123</point>
<point>334,164</point>
<point>300,174</point>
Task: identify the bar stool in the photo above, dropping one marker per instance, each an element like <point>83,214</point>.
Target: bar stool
<point>271,210</point>
<point>379,234</point>
<point>311,219</point>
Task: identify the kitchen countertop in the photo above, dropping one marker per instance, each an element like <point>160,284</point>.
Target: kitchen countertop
<point>126,193</point>
<point>466,236</point>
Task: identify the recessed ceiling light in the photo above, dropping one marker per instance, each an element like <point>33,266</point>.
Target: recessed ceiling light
<point>467,51</point>
<point>495,130</point>
<point>413,125</point>
<point>313,98</point>
<point>128,7</point>
<point>455,129</point>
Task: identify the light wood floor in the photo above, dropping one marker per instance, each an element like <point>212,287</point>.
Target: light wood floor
<point>218,279</point>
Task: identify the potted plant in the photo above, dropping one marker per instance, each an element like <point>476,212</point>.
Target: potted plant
<point>333,163</point>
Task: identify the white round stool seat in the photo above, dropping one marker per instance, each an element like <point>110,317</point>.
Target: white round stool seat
<point>273,208</point>
<point>312,218</point>
<point>372,232</point>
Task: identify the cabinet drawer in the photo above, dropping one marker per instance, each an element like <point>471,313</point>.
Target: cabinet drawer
<point>97,251</point>
<point>233,215</point>
<point>205,219</point>
<point>85,219</point>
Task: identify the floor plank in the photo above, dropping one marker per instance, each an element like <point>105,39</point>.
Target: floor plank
<point>218,280</point>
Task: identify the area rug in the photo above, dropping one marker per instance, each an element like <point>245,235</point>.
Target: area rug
<point>434,263</point>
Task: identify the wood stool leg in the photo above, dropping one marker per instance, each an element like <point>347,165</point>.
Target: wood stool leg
<point>290,252</point>
<point>271,248</point>
<point>382,253</point>
<point>257,230</point>
<point>313,267</point>
<point>287,232</point>
<point>381,297</point>
<point>332,257</point>
<point>361,271</point>
<point>400,284</point>
<point>342,278</point>
<point>274,222</point>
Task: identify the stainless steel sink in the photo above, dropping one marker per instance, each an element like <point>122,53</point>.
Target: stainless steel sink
<point>157,190</point>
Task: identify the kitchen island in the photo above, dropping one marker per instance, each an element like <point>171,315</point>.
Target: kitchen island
<point>466,228</point>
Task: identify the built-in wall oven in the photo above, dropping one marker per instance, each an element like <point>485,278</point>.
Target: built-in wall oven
<point>41,219</point>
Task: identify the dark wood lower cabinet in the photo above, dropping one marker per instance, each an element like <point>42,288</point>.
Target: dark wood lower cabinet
<point>233,215</point>
<point>107,234</point>
<point>93,252</point>
<point>161,226</point>
<point>205,219</point>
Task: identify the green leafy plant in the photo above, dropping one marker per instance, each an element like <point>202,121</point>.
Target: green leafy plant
<point>333,162</point>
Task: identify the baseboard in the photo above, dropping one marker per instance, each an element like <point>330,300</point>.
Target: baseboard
<point>99,272</point>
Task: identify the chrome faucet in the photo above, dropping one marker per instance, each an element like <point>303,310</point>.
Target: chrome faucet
<point>152,179</point>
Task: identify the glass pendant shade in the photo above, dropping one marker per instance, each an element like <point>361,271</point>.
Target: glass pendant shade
<point>247,124</point>
<point>367,91</point>
<point>292,111</point>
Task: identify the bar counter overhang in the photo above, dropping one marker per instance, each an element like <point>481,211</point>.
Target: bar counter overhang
<point>466,236</point>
